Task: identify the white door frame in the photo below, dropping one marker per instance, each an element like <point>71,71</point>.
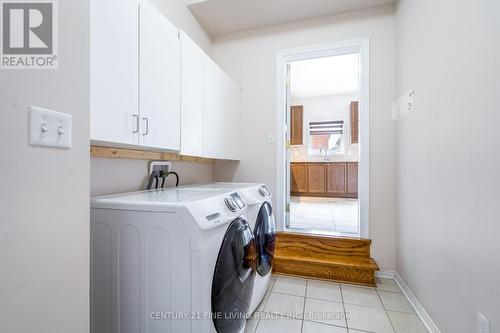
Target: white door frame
<point>360,46</point>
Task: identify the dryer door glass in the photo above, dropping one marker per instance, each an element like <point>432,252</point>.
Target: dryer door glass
<point>233,279</point>
<point>265,238</point>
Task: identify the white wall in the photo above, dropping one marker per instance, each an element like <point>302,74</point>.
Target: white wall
<point>44,193</point>
<point>250,58</point>
<point>119,175</point>
<point>448,231</point>
<point>320,108</point>
<point>132,175</point>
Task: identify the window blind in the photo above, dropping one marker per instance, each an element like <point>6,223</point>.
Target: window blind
<point>326,127</point>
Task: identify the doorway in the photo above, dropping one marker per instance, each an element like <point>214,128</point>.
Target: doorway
<point>323,165</point>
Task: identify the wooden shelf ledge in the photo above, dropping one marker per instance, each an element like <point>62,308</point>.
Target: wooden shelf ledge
<point>109,152</point>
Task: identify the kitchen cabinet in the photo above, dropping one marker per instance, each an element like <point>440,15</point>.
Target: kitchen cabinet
<point>352,178</point>
<point>192,104</point>
<point>159,92</point>
<point>337,173</point>
<point>298,177</point>
<point>354,118</point>
<point>316,178</point>
<point>114,74</point>
<point>296,124</point>
<point>330,179</point>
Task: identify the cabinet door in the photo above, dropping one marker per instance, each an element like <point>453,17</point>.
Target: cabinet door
<point>232,110</point>
<point>159,80</point>
<point>352,178</point>
<point>336,175</point>
<point>192,66</point>
<point>213,116</point>
<point>297,124</point>
<point>114,71</point>
<point>354,122</point>
<point>298,177</point>
<point>316,178</point>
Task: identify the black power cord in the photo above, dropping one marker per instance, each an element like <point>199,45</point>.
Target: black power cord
<point>155,177</point>
<point>166,174</point>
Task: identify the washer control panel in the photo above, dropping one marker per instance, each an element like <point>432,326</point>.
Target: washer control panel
<point>264,191</point>
<point>230,204</point>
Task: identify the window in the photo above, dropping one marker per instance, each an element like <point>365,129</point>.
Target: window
<point>326,138</point>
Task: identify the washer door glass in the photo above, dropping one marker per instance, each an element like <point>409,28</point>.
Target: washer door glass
<point>233,280</point>
<point>265,238</point>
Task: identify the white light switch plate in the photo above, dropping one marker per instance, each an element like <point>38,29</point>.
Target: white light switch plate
<point>49,128</point>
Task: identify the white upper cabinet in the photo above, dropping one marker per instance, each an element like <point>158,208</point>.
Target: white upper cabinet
<point>192,102</point>
<point>213,116</point>
<point>232,112</point>
<point>153,87</point>
<point>159,92</point>
<point>114,71</point>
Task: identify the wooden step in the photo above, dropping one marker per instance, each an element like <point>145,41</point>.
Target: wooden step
<point>313,245</point>
<point>325,257</point>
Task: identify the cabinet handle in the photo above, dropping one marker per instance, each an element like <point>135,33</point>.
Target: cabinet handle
<point>136,123</point>
<point>146,122</point>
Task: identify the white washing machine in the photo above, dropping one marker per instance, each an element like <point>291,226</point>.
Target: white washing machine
<point>171,260</point>
<point>261,219</point>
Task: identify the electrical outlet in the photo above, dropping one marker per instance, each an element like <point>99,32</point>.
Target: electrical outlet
<point>484,324</point>
<point>159,166</point>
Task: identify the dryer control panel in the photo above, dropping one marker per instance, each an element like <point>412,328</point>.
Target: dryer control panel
<point>219,210</point>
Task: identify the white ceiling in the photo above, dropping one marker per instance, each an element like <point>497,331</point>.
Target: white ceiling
<point>221,17</point>
<point>324,76</point>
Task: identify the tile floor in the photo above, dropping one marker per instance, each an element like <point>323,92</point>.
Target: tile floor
<point>333,215</point>
<point>294,305</point>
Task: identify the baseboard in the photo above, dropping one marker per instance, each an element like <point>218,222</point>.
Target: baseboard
<point>384,274</point>
<point>419,309</point>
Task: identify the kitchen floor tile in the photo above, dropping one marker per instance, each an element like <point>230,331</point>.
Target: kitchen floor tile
<point>395,301</point>
<point>324,290</point>
<point>387,285</point>
<point>313,327</point>
<point>331,313</point>
<point>361,296</point>
<point>286,305</point>
<point>291,286</point>
<point>279,325</point>
<point>406,323</point>
<point>368,319</point>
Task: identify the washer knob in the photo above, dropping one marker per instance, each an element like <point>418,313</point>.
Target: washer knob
<point>230,204</point>
<point>262,192</point>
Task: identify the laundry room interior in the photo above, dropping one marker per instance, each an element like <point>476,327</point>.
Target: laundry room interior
<point>284,166</point>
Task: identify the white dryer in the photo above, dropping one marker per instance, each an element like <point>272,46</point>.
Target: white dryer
<point>171,260</point>
<point>260,217</point>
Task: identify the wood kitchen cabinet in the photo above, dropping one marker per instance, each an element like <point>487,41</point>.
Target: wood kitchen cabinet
<point>337,173</point>
<point>330,179</point>
<point>316,178</point>
<point>296,124</point>
<point>298,177</point>
<point>354,122</point>
<point>352,178</point>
